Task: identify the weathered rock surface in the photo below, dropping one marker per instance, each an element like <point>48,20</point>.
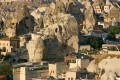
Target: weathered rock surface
<point>1,24</point>
<point>109,65</point>
<point>59,35</point>
<point>35,49</point>
<point>74,9</point>
<point>90,19</point>
<point>45,47</point>
<point>109,76</point>
<point>19,23</point>
<point>92,67</point>
<point>65,28</point>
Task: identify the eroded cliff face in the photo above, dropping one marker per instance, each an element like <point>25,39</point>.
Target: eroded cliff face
<point>59,34</point>
<point>19,23</point>
<point>58,39</point>
<point>10,25</point>
<point>44,47</point>
<point>90,19</point>
<point>65,29</point>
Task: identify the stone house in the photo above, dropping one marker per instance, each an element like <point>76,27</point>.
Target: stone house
<point>8,45</point>
<point>97,9</point>
<point>57,69</point>
<point>27,73</point>
<point>110,47</point>
<point>85,47</point>
<point>70,59</point>
<point>99,33</point>
<point>106,8</point>
<point>73,74</point>
<point>81,63</point>
<point>78,74</point>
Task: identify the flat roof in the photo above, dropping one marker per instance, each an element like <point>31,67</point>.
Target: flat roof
<point>8,39</point>
<point>2,76</point>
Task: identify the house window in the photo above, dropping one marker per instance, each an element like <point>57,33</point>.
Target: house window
<point>68,78</point>
<point>71,78</point>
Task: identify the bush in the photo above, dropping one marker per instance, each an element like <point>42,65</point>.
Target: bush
<point>111,37</point>
<point>7,57</point>
<point>42,67</point>
<point>114,30</point>
<point>2,36</point>
<point>111,33</point>
<point>6,69</point>
<point>95,42</point>
<point>16,37</point>
<point>1,56</point>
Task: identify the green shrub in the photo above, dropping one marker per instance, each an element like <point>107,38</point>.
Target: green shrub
<point>6,68</point>
<point>42,67</point>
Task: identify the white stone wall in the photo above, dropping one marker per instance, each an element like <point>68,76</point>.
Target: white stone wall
<point>70,76</point>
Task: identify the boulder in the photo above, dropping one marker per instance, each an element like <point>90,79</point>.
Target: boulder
<point>109,76</point>
<point>92,67</point>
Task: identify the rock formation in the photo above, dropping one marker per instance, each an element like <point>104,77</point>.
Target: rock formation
<point>107,68</point>
<point>19,23</point>
<point>74,9</point>
<point>90,19</point>
<point>59,35</point>
<point>45,47</point>
<point>10,25</point>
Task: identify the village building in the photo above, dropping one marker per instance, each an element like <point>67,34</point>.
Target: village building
<point>85,47</point>
<point>70,59</point>
<point>99,33</point>
<point>106,8</point>
<point>81,63</point>
<point>110,49</point>
<point>57,69</point>
<point>97,9</point>
<point>8,45</point>
<point>27,73</point>
<point>73,74</point>
<point>78,74</point>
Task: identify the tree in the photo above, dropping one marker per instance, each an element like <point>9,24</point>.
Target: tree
<point>111,37</point>
<point>16,37</point>
<point>95,42</point>
<point>6,68</point>
<point>1,56</point>
<point>2,36</point>
<point>111,33</point>
<point>114,30</point>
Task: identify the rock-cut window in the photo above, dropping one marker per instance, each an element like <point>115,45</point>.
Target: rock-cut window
<point>56,30</point>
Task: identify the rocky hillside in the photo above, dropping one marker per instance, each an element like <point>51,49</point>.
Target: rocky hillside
<point>106,66</point>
